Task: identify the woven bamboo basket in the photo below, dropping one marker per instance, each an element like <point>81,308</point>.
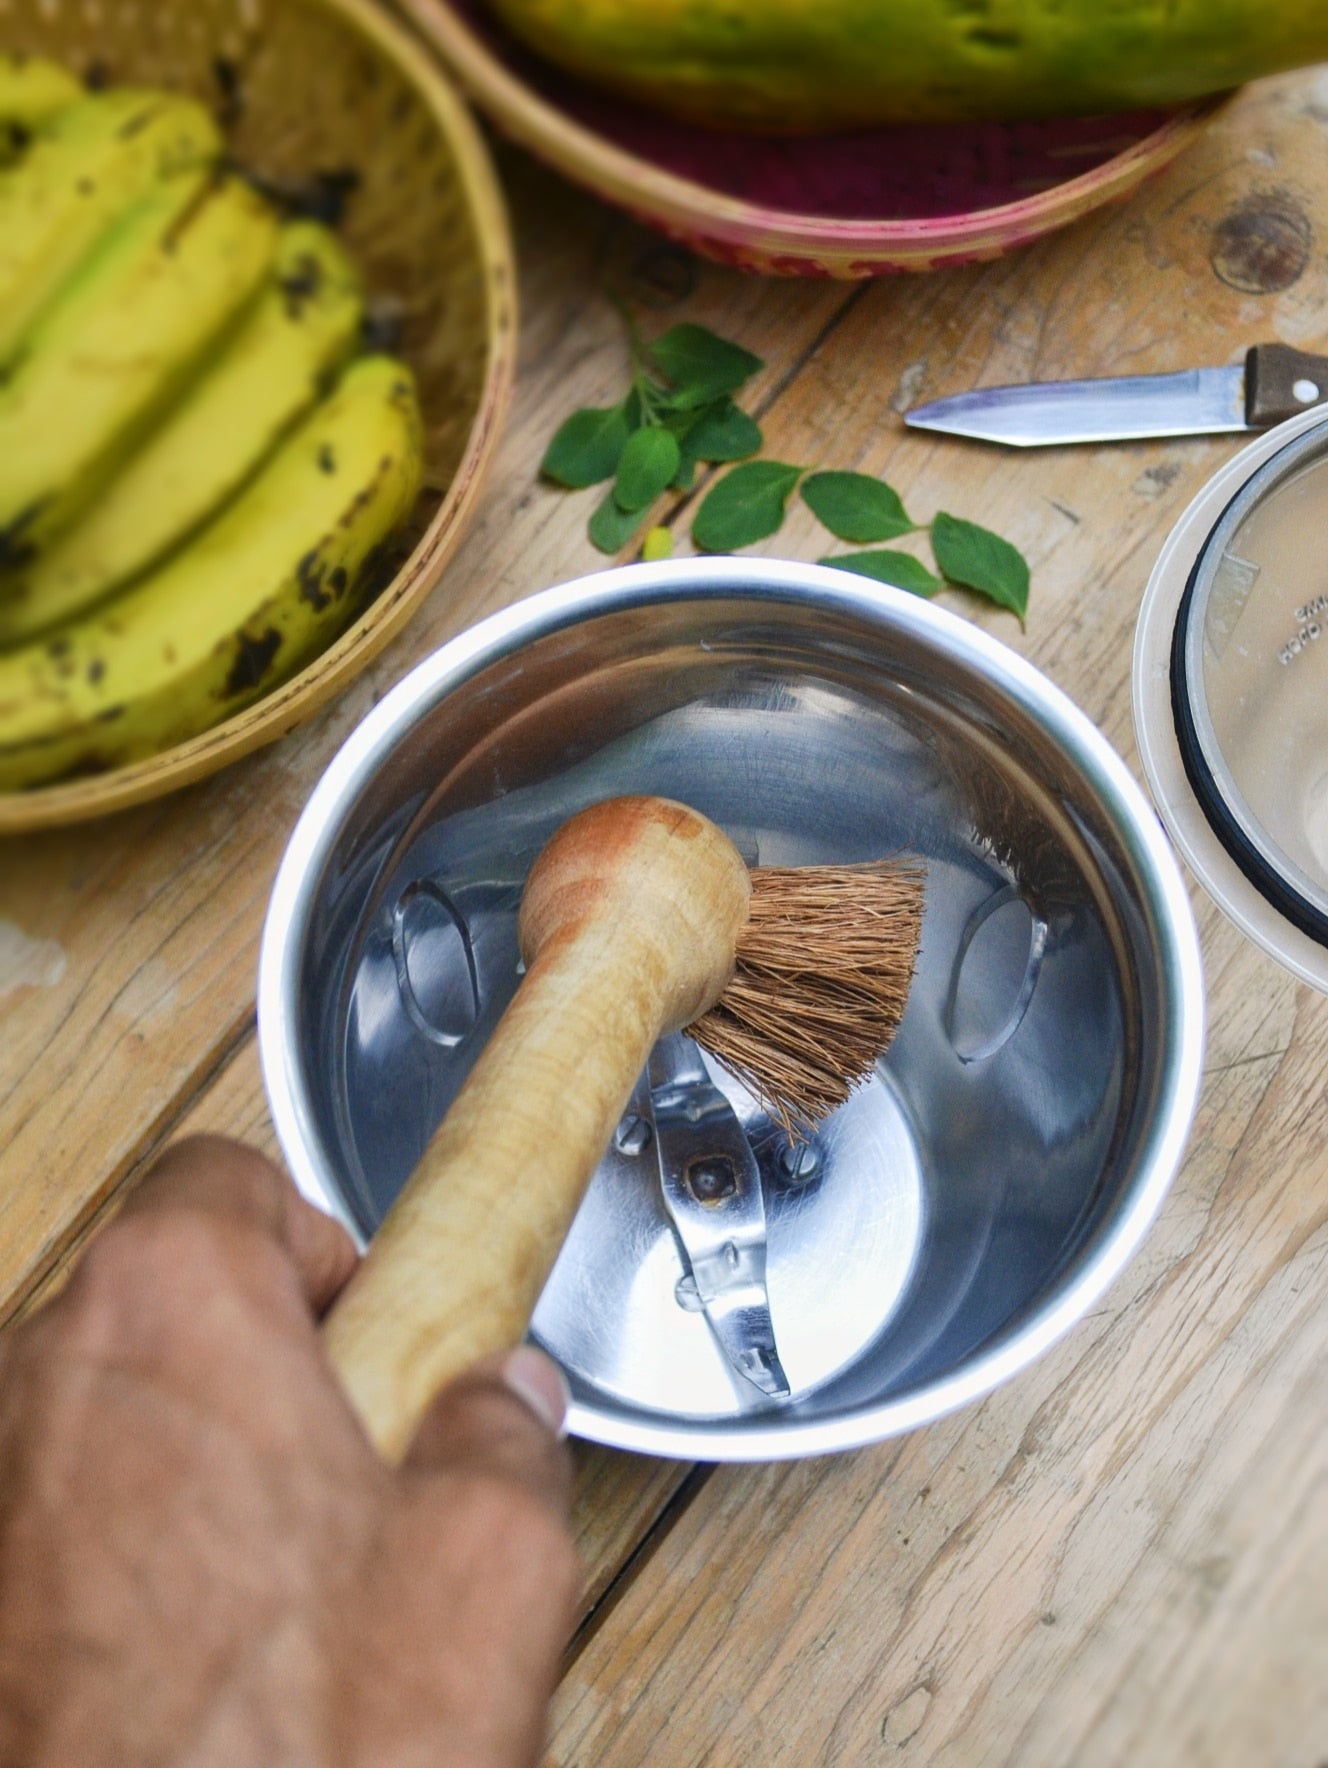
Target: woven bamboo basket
<point>904,198</point>
<point>305,87</point>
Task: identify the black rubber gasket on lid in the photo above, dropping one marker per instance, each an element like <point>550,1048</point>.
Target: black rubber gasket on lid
<point>1266,879</point>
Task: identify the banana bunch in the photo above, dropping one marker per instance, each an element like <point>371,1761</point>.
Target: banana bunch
<point>196,473</point>
<point>270,582</point>
<point>268,372</point>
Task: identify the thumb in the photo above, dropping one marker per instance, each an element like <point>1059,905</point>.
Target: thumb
<point>504,1417</point>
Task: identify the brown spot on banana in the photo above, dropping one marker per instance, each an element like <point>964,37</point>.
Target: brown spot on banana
<point>309,575</point>
<point>253,659</point>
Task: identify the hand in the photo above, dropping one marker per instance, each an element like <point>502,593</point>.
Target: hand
<point>203,1561</point>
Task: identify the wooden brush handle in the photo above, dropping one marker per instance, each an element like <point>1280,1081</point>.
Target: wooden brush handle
<point>628,926</point>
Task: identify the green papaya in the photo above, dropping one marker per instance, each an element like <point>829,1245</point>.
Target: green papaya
<point>806,66</point>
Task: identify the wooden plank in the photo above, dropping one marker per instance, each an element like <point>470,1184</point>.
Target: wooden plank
<point>128,948</point>
<point>1123,1555</point>
<point>232,1104</point>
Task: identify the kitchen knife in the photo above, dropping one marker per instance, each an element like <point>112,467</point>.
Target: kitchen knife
<point>1275,382</point>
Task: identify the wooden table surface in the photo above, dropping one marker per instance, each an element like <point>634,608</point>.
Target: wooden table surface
<point>1121,1556</point>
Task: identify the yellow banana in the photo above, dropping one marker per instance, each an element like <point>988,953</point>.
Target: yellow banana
<point>91,163</point>
<point>32,90</point>
<point>121,341</point>
<point>266,585</point>
<point>272,369</point>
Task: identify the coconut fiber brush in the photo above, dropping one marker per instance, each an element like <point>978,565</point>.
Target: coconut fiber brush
<point>640,918</point>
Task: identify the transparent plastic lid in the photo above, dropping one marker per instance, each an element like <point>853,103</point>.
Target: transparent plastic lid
<point>1249,674</point>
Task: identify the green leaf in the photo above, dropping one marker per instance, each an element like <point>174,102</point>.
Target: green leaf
<point>700,365</point>
<point>658,544</point>
<point>856,507</point>
<point>718,432</point>
<point>611,527</point>
<point>587,446</point>
<point>723,431</point>
<point>745,506</point>
<point>647,463</point>
<point>981,560</point>
<point>898,568</point>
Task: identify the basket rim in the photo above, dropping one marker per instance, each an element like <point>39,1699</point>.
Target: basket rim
<point>686,206</point>
<point>320,680</point>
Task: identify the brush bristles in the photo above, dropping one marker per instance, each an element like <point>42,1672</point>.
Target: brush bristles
<point>823,970</point>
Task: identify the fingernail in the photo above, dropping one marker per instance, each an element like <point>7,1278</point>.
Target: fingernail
<point>538,1382</point>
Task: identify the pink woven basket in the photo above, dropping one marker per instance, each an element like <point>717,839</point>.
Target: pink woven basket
<point>853,205</point>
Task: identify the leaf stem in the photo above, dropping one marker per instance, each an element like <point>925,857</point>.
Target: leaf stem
<point>647,388</point>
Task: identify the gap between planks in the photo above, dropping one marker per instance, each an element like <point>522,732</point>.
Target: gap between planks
<point>50,1272</point>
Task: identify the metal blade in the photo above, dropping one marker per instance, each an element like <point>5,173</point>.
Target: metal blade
<point>712,1191</point>
<point>1196,402</point>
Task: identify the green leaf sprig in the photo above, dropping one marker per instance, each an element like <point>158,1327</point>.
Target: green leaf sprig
<point>857,508</point>
<point>680,412</point>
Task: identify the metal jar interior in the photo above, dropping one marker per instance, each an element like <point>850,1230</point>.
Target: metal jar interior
<point>970,1203</point>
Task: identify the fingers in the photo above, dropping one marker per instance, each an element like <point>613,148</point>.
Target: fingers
<point>481,1552</point>
<point>228,1181</point>
<point>504,1418</point>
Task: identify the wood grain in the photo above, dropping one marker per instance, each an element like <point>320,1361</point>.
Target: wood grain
<point>1122,1556</point>
<point>1119,1557</point>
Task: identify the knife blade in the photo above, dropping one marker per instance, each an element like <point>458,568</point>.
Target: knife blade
<point>1274,382</point>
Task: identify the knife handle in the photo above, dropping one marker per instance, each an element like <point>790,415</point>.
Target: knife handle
<point>1280,382</point>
